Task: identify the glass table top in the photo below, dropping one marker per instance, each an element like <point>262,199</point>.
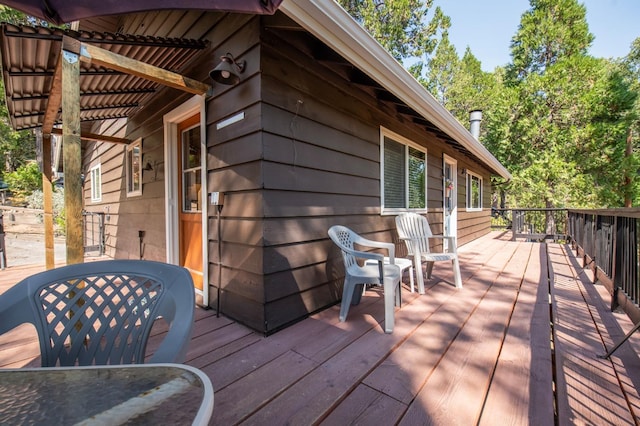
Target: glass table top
<point>135,394</point>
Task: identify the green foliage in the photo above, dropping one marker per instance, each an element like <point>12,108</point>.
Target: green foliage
<point>36,201</point>
<point>630,73</point>
<point>548,31</point>
<point>560,118</point>
<point>13,16</point>
<point>25,180</point>
<point>16,148</point>
<point>400,26</point>
<point>459,85</point>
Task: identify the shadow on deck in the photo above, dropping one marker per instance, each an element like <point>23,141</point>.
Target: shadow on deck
<point>516,345</point>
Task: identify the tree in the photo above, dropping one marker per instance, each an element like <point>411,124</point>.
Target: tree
<point>459,85</point>
<point>472,88</point>
<point>558,123</point>
<point>549,31</point>
<point>442,71</point>
<point>631,74</point>
<point>16,148</point>
<point>402,27</point>
<point>25,180</point>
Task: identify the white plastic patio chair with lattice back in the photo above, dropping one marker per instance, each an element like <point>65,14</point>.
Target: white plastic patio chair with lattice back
<point>385,274</point>
<point>415,231</point>
<point>100,313</point>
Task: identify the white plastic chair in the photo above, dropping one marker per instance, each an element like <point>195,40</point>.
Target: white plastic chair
<point>415,231</point>
<point>385,274</point>
<point>100,313</point>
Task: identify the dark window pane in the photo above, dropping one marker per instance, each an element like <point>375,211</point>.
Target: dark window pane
<point>394,174</point>
<point>417,167</point>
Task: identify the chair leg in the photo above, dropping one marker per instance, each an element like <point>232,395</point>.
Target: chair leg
<point>429,269</point>
<point>389,306</point>
<point>411,278</point>
<point>456,272</point>
<point>358,291</point>
<point>347,295</point>
<point>417,263</point>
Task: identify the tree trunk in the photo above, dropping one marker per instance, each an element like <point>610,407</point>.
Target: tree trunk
<point>550,219</point>
<point>627,178</point>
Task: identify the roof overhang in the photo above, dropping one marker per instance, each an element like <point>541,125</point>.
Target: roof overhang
<point>118,72</point>
<point>65,11</point>
<point>331,24</point>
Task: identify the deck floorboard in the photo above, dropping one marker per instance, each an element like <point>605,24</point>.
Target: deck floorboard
<point>527,321</point>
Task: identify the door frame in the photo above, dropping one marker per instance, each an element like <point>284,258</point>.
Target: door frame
<point>171,120</point>
<point>454,194</point>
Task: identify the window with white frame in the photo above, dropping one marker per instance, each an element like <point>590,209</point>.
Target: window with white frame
<point>96,183</point>
<point>134,169</point>
<point>474,192</point>
<point>404,171</point>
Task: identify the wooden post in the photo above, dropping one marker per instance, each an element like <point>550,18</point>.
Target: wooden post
<point>71,154</point>
<point>47,195</point>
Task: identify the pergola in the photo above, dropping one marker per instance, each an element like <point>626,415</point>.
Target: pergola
<point>55,77</point>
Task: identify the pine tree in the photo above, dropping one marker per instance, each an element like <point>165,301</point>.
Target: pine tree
<point>558,123</point>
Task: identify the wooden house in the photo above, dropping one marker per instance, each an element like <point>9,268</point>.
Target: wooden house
<point>241,182</point>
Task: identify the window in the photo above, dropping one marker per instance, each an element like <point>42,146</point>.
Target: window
<point>191,166</point>
<point>96,183</point>
<point>474,192</point>
<point>404,166</point>
<point>134,169</point>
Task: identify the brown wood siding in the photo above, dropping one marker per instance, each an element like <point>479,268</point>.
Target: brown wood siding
<point>235,167</point>
<point>305,156</point>
<point>322,167</point>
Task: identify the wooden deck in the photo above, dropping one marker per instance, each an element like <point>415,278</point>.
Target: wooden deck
<point>517,345</point>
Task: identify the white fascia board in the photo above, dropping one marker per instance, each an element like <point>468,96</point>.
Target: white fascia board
<point>331,24</point>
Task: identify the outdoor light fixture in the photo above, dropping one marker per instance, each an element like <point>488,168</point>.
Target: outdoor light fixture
<point>228,70</point>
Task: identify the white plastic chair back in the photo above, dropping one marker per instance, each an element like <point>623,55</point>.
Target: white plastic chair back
<point>345,238</point>
<point>102,312</point>
<point>380,273</point>
<point>415,231</point>
<point>413,225</point>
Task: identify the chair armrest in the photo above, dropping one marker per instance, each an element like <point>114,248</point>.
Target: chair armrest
<point>390,247</point>
<point>451,238</point>
<point>364,254</point>
<point>416,247</point>
<point>14,308</point>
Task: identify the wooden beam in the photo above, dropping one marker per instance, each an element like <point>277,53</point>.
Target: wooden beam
<point>55,100</point>
<point>101,57</point>
<point>47,195</point>
<point>51,113</point>
<point>72,156</point>
<point>96,137</point>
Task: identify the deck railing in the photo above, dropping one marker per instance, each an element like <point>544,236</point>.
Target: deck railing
<point>94,240</point>
<point>609,243</point>
<point>532,224</point>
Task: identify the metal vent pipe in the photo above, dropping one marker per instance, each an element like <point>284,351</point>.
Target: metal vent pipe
<point>475,117</point>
